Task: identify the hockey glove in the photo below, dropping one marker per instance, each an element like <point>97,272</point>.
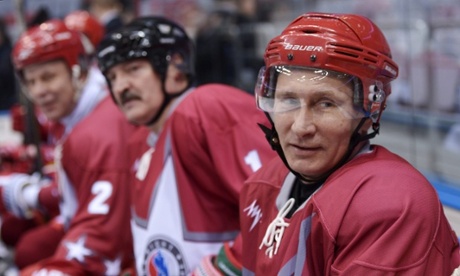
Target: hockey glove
<point>20,193</point>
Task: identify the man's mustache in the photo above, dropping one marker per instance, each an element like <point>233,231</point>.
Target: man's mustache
<point>127,96</point>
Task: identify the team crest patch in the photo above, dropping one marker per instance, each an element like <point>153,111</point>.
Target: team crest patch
<point>163,258</point>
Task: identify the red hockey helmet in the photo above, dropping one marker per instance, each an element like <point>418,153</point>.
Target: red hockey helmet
<point>85,23</point>
<point>48,41</point>
<point>340,43</point>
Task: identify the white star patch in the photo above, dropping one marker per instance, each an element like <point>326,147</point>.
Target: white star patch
<point>77,250</point>
<point>112,267</point>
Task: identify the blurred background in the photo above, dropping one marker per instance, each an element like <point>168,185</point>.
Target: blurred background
<point>422,120</point>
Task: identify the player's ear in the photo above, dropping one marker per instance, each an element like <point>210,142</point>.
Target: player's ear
<point>76,71</point>
<point>79,73</point>
<point>175,81</point>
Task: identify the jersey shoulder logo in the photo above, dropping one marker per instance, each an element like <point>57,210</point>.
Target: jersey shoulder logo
<point>253,211</point>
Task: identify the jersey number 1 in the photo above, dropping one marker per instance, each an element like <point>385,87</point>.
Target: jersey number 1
<point>253,160</point>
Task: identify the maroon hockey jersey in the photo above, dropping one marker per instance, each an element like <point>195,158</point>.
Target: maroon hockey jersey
<point>376,215</point>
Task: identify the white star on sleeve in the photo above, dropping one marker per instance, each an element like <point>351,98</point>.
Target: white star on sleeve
<point>77,250</point>
<point>112,267</point>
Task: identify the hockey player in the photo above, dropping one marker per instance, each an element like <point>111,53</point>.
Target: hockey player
<point>20,158</point>
<point>31,247</point>
<point>203,143</point>
<point>93,226</point>
<point>334,204</point>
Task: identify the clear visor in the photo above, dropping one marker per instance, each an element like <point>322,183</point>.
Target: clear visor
<point>320,93</point>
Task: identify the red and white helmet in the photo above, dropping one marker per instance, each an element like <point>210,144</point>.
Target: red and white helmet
<point>342,43</point>
<point>48,41</point>
<point>83,22</point>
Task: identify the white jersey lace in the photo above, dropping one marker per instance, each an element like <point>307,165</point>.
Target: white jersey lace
<point>275,231</point>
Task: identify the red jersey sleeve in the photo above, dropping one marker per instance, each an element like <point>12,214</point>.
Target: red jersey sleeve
<point>217,145</point>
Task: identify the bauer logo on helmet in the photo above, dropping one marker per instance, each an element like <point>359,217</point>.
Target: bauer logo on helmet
<point>310,48</point>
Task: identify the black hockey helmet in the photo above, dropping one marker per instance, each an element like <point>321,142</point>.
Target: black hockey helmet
<point>151,37</point>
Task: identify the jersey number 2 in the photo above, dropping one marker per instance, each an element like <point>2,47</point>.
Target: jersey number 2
<point>102,191</point>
